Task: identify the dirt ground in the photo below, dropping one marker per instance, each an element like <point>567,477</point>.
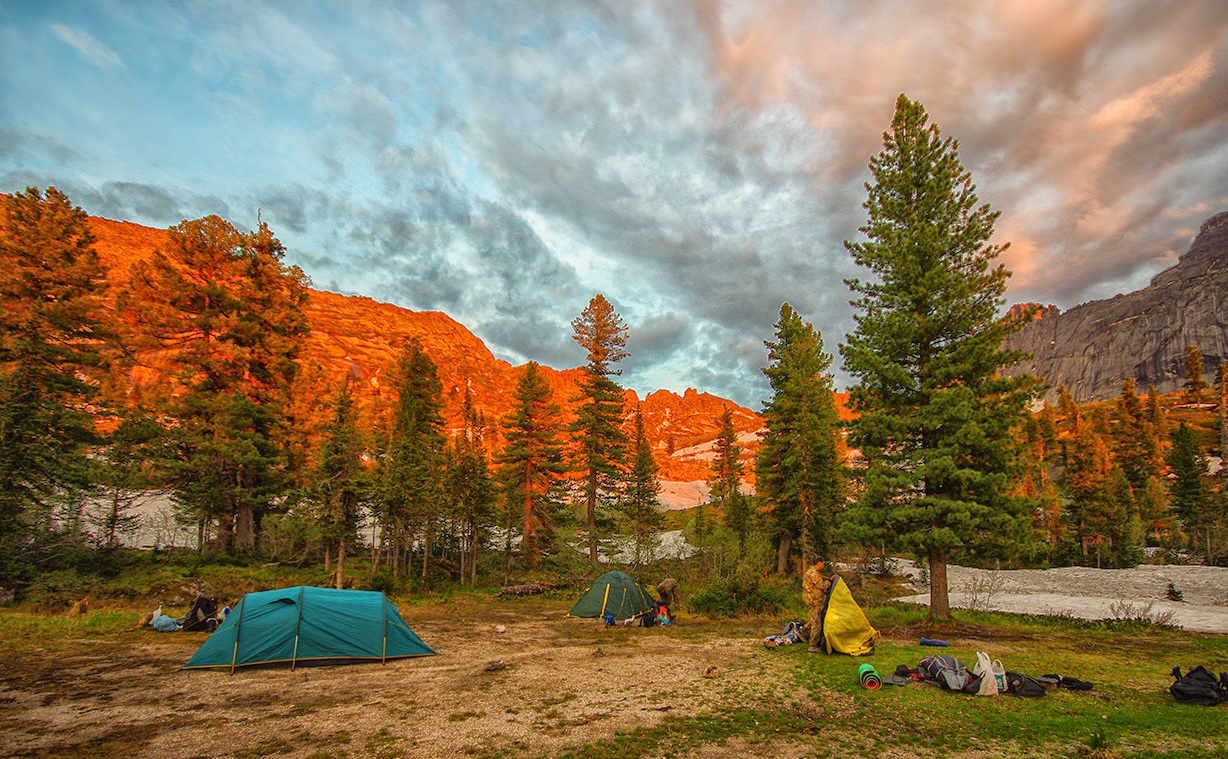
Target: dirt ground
<point>566,682</point>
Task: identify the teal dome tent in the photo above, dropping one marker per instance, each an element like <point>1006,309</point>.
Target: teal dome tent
<point>306,625</point>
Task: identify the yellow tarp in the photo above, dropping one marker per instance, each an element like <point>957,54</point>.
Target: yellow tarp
<point>845,627</point>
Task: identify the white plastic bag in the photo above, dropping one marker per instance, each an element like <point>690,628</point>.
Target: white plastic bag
<point>984,670</point>
<point>999,674</point>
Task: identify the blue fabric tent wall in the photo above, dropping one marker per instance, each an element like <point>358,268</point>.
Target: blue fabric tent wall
<point>309,625</point>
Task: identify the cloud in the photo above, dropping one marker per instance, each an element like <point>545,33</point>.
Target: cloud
<point>89,48</point>
<point>697,162</point>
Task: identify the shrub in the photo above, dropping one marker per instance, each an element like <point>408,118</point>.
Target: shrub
<point>738,595</point>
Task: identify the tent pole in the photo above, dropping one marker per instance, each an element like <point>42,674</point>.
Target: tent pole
<point>605,599</point>
<point>234,655</point>
<point>298,625</point>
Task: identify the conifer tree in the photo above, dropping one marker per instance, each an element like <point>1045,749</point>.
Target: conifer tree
<point>798,470</point>
<point>51,343</point>
<point>530,465</point>
<point>1188,465</point>
<point>640,509</point>
<point>937,420</point>
<point>471,488</point>
<point>343,482</point>
<point>229,310</point>
<point>1132,437</point>
<point>411,470</point>
<point>725,482</point>
<point>1195,384</point>
<point>600,444</point>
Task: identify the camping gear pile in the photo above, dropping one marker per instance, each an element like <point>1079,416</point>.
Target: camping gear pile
<point>987,678</point>
<point>845,627</point>
<point>203,616</point>
<point>307,625</point>
<point>792,633</point>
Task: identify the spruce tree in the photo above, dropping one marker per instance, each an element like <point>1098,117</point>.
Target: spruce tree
<point>798,470</point>
<point>1189,497</point>
<point>51,344</point>
<point>640,508</point>
<point>530,465</point>
<point>342,480</point>
<point>471,489</point>
<point>937,421</point>
<point>725,482</point>
<point>600,444</point>
<point>412,470</point>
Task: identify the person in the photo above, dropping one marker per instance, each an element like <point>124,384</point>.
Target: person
<point>814,590</point>
<point>667,590</point>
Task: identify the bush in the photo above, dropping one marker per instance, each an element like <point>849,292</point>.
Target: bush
<point>738,595</point>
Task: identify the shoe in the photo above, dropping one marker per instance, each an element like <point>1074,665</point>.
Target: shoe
<point>815,650</point>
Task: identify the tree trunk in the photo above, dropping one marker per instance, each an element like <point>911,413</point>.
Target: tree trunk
<point>341,565</point>
<point>782,551</point>
<point>592,521</point>
<point>244,534</point>
<point>940,602</point>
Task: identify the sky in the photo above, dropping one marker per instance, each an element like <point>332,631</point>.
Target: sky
<point>697,162</point>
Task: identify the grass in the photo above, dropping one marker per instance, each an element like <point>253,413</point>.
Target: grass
<point>823,711</point>
<point>800,704</point>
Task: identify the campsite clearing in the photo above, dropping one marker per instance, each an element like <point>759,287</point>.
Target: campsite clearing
<point>88,687</point>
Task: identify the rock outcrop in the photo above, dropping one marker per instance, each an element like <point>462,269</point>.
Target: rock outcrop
<point>360,338</point>
<point>1094,347</point>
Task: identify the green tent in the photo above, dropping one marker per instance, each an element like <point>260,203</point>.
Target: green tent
<point>307,625</point>
<point>616,594</point>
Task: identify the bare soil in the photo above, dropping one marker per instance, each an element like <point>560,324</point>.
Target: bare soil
<point>566,682</point>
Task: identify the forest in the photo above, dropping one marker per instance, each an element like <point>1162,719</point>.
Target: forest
<point>945,460</point>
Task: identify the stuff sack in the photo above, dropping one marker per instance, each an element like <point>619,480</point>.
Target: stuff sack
<point>950,673</point>
<point>1026,686</point>
<point>1199,686</point>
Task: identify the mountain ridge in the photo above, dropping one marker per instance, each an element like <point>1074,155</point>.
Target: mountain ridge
<point>359,337</point>
<point>1092,348</point>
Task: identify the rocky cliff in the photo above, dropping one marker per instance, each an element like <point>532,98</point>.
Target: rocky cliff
<point>360,337</point>
<point>1093,348</point>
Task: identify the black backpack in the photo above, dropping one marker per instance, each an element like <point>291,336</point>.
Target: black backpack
<point>1199,686</point>
<point>1019,684</point>
<point>202,616</point>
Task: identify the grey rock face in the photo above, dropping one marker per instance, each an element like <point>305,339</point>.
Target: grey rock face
<point>1092,348</point>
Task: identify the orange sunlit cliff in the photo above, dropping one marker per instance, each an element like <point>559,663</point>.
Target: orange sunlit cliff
<point>360,337</point>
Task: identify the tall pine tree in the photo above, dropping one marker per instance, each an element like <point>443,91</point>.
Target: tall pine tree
<point>937,421</point>
<point>530,465</point>
<point>412,465</point>
<point>51,337</point>
<point>725,482</point>
<point>641,504</point>
<point>798,470</point>
<point>230,312</point>
<point>600,444</point>
<point>342,482</point>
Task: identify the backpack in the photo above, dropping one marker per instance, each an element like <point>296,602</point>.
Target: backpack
<point>950,673</point>
<point>1199,686</point>
<point>1019,684</point>
<point>202,615</point>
